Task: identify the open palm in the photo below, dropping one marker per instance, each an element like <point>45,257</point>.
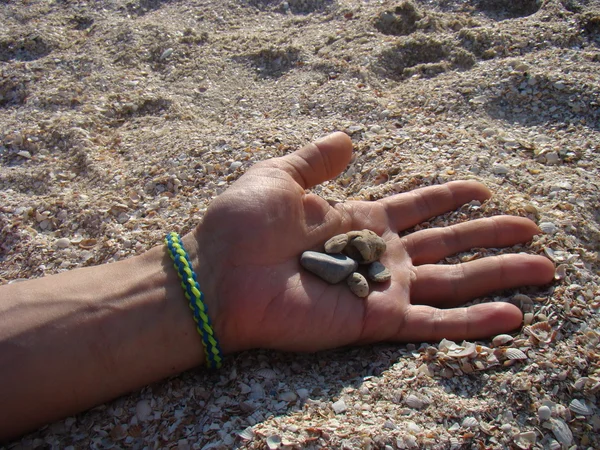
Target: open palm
<point>259,296</point>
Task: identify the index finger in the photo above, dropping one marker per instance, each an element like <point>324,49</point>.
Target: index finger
<point>411,208</point>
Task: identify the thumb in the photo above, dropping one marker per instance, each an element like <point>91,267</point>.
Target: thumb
<point>317,162</point>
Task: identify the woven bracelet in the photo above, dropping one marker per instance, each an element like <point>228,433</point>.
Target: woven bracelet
<point>192,291</point>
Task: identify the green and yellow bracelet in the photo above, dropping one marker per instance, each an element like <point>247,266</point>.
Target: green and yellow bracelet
<point>192,291</point>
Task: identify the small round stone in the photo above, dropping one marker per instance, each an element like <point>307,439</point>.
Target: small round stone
<point>378,272</point>
<point>358,285</point>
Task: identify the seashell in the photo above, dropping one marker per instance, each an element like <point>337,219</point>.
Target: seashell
<point>580,408</point>
<point>273,442</point>
<point>470,422</point>
<point>246,434</point>
<point>510,353</point>
<point>445,345</point>
<point>561,431</point>
<point>467,350</point>
<point>302,393</point>
<point>118,432</point>
<point>267,374</point>
<point>247,407</point>
<point>339,406</point>
<point>502,339</point>
<point>544,413</point>
<point>336,244</point>
<point>525,440</point>
<point>143,410</point>
<point>415,402</point>
<point>540,332</point>
<point>560,272</point>
<point>523,302</point>
<point>527,319</point>
<point>88,243</point>
<point>288,397</point>
<point>553,445</point>
<point>258,392</point>
<point>514,353</point>
<point>244,388</point>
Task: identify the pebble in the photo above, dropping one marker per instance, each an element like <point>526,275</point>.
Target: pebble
<point>378,272</point>
<point>235,165</point>
<point>62,243</point>
<point>331,268</point>
<point>364,246</point>
<point>358,285</point>
<point>336,244</point>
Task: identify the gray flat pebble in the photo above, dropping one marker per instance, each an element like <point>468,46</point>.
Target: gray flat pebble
<point>331,268</point>
<point>378,272</point>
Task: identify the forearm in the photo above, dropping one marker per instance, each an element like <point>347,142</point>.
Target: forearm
<point>74,340</point>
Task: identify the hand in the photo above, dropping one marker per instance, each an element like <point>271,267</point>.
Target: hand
<point>258,295</point>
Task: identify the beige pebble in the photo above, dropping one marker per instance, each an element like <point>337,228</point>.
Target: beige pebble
<point>336,244</point>
<point>378,272</point>
<point>358,285</point>
<point>364,246</point>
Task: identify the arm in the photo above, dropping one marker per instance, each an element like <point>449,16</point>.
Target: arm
<point>74,340</point>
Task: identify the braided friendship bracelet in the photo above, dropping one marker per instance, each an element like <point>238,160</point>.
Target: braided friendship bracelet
<point>191,288</point>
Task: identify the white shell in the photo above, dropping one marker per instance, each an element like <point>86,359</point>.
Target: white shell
<point>541,332</point>
<point>273,442</point>
<point>526,439</point>
<point>562,432</point>
<point>246,434</point>
<point>580,408</point>
<point>502,339</point>
<point>258,391</point>
<point>469,349</point>
<point>288,397</point>
<point>143,410</point>
<point>415,402</point>
<point>470,422</point>
<point>446,345</point>
<point>244,388</point>
<point>544,413</point>
<point>302,393</point>
<point>267,374</point>
<point>514,353</point>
